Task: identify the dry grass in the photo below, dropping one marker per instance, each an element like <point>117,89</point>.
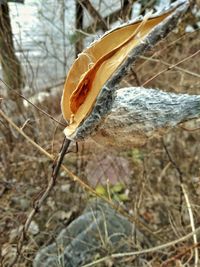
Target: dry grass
<point>153,181</point>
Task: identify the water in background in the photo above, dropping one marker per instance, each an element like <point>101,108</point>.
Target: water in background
<point>44,38</point>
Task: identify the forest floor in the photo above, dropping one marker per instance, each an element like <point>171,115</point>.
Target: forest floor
<point>151,180</point>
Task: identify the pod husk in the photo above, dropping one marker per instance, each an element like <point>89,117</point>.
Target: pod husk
<point>92,80</point>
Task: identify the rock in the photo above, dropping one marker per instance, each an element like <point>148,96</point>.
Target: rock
<point>33,228</point>
<point>97,232</point>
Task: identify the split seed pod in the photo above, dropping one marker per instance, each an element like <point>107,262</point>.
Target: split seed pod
<point>99,68</point>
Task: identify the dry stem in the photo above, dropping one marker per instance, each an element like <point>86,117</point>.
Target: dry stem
<point>51,184</point>
<point>149,250</point>
<point>170,67</point>
<point>192,224</point>
<point>39,109</point>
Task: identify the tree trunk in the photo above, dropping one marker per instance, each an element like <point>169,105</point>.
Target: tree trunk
<point>94,14</point>
<point>79,26</point>
<point>126,10</point>
<point>12,72</point>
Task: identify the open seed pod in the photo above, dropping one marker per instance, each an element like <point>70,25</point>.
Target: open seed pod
<point>90,87</point>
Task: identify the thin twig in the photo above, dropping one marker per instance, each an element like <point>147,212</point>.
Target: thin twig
<point>173,162</point>
<point>179,173</point>
<point>25,123</point>
<point>173,43</point>
<point>168,64</point>
<point>135,76</point>
<point>53,137</point>
<point>179,255</point>
<point>196,260</point>
<point>97,25</point>
<point>72,175</point>
<point>94,13</point>
<point>145,251</point>
<point>170,68</point>
<point>188,129</point>
<point>79,180</point>
<point>39,109</point>
<point>158,52</point>
<point>38,203</point>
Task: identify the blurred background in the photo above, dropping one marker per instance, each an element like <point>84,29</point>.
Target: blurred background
<point>39,41</point>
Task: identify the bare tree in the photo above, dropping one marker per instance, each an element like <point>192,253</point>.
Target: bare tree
<point>79,26</point>
<point>12,71</point>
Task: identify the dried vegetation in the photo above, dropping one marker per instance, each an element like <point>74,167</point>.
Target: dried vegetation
<point>154,176</point>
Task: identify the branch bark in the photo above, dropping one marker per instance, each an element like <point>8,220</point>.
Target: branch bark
<point>138,114</point>
<point>126,9</point>
<point>79,26</point>
<point>111,18</point>
<point>94,13</point>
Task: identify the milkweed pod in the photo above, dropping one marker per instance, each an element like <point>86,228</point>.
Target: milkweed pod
<point>98,63</point>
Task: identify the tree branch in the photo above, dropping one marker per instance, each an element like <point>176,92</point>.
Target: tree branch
<point>138,114</point>
<point>94,13</point>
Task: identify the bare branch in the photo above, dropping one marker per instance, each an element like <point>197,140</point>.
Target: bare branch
<point>51,184</point>
<point>175,67</point>
<point>145,251</point>
<point>94,13</point>
<point>170,67</point>
<point>39,109</point>
<point>138,114</point>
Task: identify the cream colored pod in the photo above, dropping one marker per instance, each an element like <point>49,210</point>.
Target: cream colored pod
<point>90,87</point>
